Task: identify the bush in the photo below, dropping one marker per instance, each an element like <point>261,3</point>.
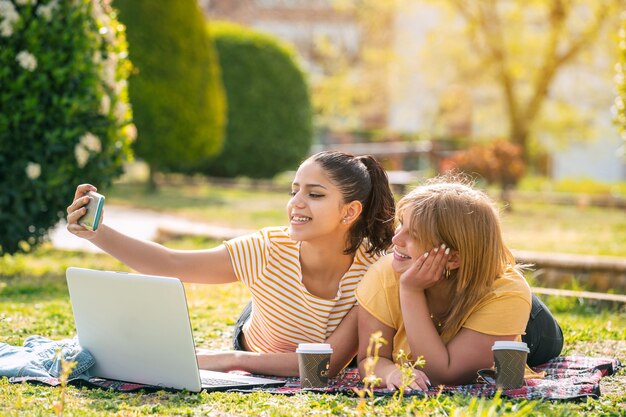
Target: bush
<point>63,110</point>
<point>498,162</point>
<point>176,91</point>
<point>269,126</point>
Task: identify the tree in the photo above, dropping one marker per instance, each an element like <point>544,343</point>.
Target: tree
<point>64,115</point>
<point>349,85</point>
<point>522,45</point>
<point>619,108</point>
<point>176,92</point>
<point>269,111</point>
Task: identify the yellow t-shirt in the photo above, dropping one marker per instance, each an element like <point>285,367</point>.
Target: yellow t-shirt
<point>504,311</point>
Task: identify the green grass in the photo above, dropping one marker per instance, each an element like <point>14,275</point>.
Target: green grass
<point>34,300</point>
<point>530,226</point>
<point>232,207</point>
<point>571,186</point>
<point>566,229</point>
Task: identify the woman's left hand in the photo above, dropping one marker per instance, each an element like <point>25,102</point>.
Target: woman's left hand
<point>427,270</point>
<point>217,360</point>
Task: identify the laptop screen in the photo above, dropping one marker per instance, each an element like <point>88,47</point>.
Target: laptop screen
<point>136,326</point>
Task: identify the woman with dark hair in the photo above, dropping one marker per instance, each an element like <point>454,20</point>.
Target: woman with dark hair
<point>302,277</point>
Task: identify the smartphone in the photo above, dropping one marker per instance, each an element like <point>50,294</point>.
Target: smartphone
<point>91,218</point>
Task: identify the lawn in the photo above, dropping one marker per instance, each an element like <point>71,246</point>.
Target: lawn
<point>34,300</point>
<point>531,226</point>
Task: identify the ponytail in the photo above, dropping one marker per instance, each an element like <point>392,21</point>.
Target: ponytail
<point>362,178</point>
<point>379,209</point>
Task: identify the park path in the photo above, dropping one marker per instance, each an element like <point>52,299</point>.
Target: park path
<point>602,272</point>
<point>141,224</point>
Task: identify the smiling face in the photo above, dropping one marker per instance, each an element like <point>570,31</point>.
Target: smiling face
<point>316,208</point>
<point>406,249</point>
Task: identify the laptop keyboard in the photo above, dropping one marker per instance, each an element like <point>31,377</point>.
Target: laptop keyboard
<point>209,381</point>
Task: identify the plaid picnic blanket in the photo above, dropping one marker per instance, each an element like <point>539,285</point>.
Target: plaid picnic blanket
<point>566,378</point>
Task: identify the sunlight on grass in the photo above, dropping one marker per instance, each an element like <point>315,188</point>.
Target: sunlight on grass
<point>567,229</point>
<point>530,226</point>
<point>34,300</point>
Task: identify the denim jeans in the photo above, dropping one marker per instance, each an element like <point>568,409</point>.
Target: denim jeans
<point>42,357</point>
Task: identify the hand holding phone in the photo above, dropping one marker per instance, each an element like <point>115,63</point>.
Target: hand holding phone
<point>91,218</point>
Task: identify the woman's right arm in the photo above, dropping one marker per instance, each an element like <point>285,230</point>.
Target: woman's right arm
<point>385,368</point>
<point>211,266</point>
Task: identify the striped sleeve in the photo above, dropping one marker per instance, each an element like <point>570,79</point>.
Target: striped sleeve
<point>248,255</point>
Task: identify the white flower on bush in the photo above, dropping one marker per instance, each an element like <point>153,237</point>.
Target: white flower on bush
<point>81,154</point>
<point>105,104</point>
<point>108,70</point>
<point>46,10</point>
<point>26,60</point>
<point>88,143</point>
<point>23,2</point>
<point>130,130</point>
<point>120,87</point>
<point>91,142</point>
<point>8,16</point>
<point>33,170</point>
<point>120,111</point>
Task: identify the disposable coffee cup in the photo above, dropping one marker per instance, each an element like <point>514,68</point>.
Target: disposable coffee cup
<point>510,361</point>
<point>314,361</point>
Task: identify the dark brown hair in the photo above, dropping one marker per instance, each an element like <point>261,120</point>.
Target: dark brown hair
<point>362,178</point>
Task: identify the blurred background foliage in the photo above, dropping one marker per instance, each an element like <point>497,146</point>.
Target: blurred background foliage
<point>176,90</point>
<point>64,114</point>
<point>619,109</point>
<point>501,90</point>
<point>269,128</point>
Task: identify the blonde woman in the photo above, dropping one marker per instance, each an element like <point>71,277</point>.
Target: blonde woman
<point>449,290</point>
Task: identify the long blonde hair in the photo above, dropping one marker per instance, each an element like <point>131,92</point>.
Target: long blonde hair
<point>449,210</point>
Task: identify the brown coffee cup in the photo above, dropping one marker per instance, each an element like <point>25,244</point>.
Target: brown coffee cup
<point>313,362</point>
<point>510,363</point>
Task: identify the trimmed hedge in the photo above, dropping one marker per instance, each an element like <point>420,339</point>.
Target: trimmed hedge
<point>269,119</point>
<point>176,92</point>
<point>64,115</point>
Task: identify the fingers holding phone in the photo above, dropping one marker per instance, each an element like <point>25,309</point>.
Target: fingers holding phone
<point>85,213</point>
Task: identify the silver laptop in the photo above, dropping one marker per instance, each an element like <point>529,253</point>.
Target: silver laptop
<point>137,328</point>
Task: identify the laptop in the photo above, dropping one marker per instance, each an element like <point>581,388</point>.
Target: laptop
<point>137,329</point>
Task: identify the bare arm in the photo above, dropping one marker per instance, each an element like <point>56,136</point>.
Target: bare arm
<point>454,363</point>
<point>469,351</point>
<point>212,266</point>
<point>385,368</point>
<point>343,341</point>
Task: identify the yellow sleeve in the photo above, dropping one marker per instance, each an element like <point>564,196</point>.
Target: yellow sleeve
<point>375,295</point>
<point>247,255</point>
<point>505,312</point>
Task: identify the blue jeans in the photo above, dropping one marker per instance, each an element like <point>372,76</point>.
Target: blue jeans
<point>41,357</point>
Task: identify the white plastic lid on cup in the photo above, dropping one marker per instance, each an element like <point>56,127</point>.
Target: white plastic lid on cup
<point>509,345</point>
<point>314,348</point>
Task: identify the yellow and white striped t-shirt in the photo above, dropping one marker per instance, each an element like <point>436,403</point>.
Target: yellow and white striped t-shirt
<point>284,313</point>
